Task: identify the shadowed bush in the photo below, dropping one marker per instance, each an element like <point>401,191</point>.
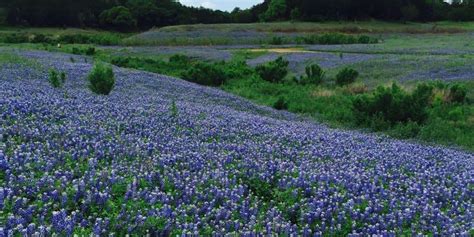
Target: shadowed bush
<point>389,106</point>
<point>273,71</point>
<point>314,75</point>
<point>346,76</point>
<point>280,104</point>
<point>101,79</point>
<point>205,74</point>
<point>336,38</point>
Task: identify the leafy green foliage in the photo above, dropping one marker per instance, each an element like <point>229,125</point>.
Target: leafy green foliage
<point>207,74</point>
<point>101,79</point>
<point>314,75</point>
<point>118,18</point>
<point>444,120</point>
<point>276,11</point>
<point>56,79</point>
<point>389,106</point>
<point>280,104</point>
<point>457,93</point>
<point>346,76</point>
<point>336,38</point>
<point>15,38</point>
<point>276,40</point>
<point>84,51</point>
<point>274,71</point>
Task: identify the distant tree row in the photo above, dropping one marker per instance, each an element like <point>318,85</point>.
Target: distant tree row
<point>130,15</point>
<point>123,15</point>
<point>398,10</point>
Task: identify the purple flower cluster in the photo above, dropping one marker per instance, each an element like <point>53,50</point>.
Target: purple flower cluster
<point>162,156</point>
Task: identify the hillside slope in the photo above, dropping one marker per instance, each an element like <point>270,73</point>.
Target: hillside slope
<point>161,155</point>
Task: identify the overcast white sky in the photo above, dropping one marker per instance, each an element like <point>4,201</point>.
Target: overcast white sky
<point>225,5</point>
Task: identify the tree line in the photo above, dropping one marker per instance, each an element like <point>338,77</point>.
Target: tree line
<point>391,10</point>
<point>130,15</point>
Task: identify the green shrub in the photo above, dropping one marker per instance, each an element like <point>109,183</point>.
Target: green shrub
<point>16,38</point>
<point>40,38</point>
<point>205,74</point>
<point>90,51</point>
<point>314,75</point>
<point>273,71</point>
<point>118,18</point>
<point>121,61</point>
<point>180,59</point>
<point>456,114</point>
<point>100,39</point>
<point>276,40</point>
<point>393,105</point>
<point>81,51</point>
<point>54,79</point>
<point>364,39</point>
<point>346,76</point>
<point>457,93</point>
<point>280,104</point>
<point>74,39</point>
<point>101,79</point>
<point>336,38</point>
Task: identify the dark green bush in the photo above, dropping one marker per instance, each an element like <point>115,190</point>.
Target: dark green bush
<point>205,74</point>
<point>54,79</point>
<point>276,40</point>
<point>101,79</point>
<point>274,71</point>
<point>336,38</point>
<point>40,38</point>
<point>314,75</point>
<point>393,105</point>
<point>74,39</point>
<point>457,93</point>
<point>81,51</point>
<point>118,18</point>
<point>346,76</point>
<point>16,38</point>
<point>100,39</point>
<point>280,104</point>
<point>179,59</point>
<point>364,39</point>
<point>121,61</point>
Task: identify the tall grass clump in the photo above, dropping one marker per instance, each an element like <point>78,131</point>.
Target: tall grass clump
<point>274,71</point>
<point>101,79</point>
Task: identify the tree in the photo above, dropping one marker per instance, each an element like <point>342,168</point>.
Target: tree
<point>276,11</point>
<point>118,18</point>
<point>409,12</point>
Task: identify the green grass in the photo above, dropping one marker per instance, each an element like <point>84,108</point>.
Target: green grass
<point>343,26</point>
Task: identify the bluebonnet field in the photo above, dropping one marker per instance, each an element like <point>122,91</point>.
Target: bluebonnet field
<point>164,156</point>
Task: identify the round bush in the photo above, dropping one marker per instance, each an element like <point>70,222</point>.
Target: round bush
<point>457,93</point>
<point>274,71</point>
<point>314,75</point>
<point>346,76</point>
<point>101,79</point>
